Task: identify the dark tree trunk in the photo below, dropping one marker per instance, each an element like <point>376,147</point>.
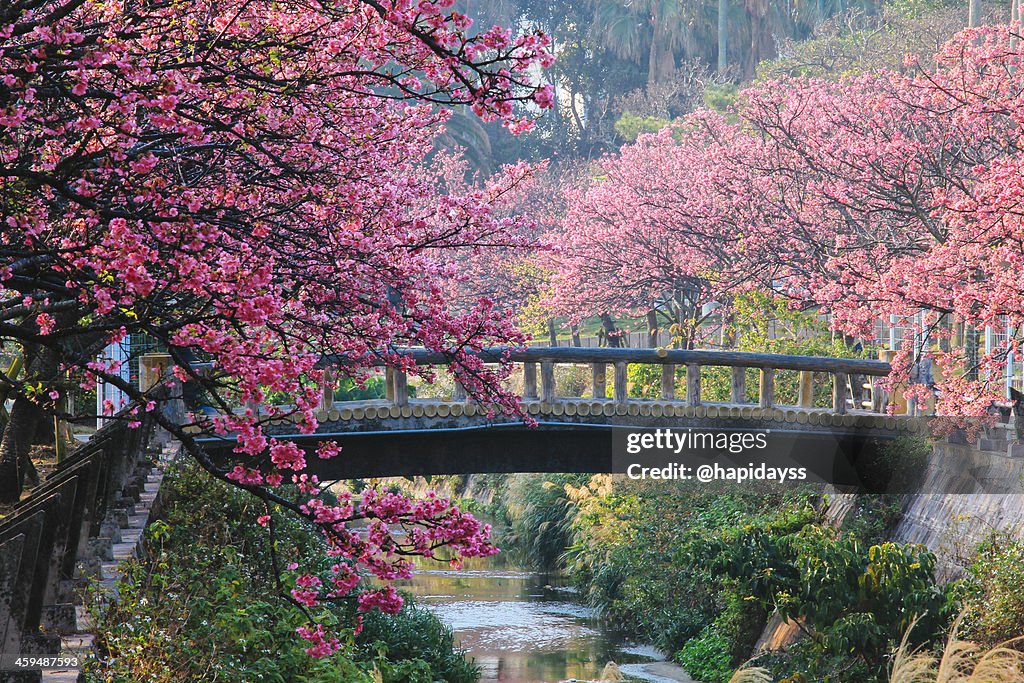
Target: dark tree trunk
<point>661,63</point>
<point>552,333</point>
<point>20,431</point>
<point>15,464</point>
<point>611,332</point>
<point>723,33</point>
<point>729,335</point>
<point>652,329</point>
<point>575,332</point>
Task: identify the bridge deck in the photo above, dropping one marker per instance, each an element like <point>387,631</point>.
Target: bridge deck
<point>401,435</point>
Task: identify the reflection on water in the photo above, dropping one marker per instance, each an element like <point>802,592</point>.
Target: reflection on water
<point>520,627</point>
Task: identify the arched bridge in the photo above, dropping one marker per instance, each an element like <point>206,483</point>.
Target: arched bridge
<point>578,411</point>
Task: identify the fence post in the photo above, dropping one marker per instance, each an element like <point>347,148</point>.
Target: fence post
<point>598,381</point>
<point>327,390</point>
<point>458,392</point>
<point>621,380</point>
<point>668,382</point>
<point>839,393</point>
<point>529,381</point>
<point>738,392</point>
<point>547,381</point>
<point>806,398</point>
<point>401,390</point>
<point>767,392</point>
<point>692,384</point>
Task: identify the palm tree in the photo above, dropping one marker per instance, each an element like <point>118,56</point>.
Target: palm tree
<point>723,36</point>
<point>653,31</point>
<point>463,133</point>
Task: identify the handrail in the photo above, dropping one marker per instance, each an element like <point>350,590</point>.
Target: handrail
<point>572,354</point>
<point>843,371</point>
<point>57,536</point>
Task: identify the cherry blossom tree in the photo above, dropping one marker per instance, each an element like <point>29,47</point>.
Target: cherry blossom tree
<point>877,195</point>
<point>240,182</point>
<point>900,193</point>
<point>653,231</point>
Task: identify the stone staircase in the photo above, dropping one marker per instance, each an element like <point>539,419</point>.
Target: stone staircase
<point>126,538</point>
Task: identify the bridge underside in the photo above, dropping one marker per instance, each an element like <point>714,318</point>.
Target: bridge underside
<point>380,440</point>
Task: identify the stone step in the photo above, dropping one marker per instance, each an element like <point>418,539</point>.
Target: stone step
<point>994,445</point>
<point>131,536</point>
<point>83,619</point>
<point>109,572</point>
<point>124,551</point>
<point>122,536</point>
<point>78,643</point>
<point>60,617</point>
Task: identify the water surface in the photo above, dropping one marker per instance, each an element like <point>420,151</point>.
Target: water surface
<point>522,626</point>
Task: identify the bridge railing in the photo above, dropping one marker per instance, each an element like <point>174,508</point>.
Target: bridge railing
<point>538,364</point>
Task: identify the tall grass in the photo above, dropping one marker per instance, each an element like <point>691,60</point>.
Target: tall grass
<point>961,661</point>
<point>755,674</point>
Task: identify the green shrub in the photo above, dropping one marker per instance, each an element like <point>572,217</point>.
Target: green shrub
<point>707,657</point>
<point>203,604</point>
<point>374,387</point>
<point>540,517</point>
<point>994,595</point>
<point>414,637</point>
<point>630,126</point>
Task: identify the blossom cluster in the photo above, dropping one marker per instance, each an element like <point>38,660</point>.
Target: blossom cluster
<point>245,183</point>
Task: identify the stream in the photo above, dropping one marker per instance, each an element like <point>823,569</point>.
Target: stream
<point>528,627</point>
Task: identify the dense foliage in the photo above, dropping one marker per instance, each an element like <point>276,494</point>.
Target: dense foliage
<point>201,604</point>
<point>698,572</point>
<point>994,591</point>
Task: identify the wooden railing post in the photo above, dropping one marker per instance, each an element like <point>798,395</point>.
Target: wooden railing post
<point>547,381</point>
<point>839,393</point>
<point>598,381</point>
<point>60,444</point>
<point>806,397</point>
<point>327,390</point>
<point>738,394</point>
<point>530,381</point>
<point>621,381</point>
<point>767,389</point>
<point>458,392</point>
<point>389,384</point>
<point>692,384</point>
<point>668,382</point>
<point>879,397</point>
<point>401,387</point>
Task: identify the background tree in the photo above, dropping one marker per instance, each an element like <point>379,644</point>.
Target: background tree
<point>643,237</point>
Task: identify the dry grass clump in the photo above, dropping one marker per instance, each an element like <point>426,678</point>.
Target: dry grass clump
<point>755,674</point>
<point>961,662</point>
<point>611,673</point>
